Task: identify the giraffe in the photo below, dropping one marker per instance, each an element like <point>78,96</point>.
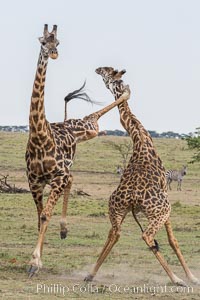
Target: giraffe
<point>51,148</point>
<point>142,188</point>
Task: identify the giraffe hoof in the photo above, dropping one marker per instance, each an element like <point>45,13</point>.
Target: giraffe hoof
<point>63,234</point>
<point>181,283</point>
<point>89,278</point>
<point>32,271</point>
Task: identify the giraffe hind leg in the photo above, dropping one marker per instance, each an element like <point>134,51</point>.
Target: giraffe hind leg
<point>148,237</point>
<point>174,245</point>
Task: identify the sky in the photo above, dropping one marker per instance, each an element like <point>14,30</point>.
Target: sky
<point>156,41</point>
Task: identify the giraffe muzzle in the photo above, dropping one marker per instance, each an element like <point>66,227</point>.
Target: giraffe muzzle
<point>53,53</point>
<point>98,70</point>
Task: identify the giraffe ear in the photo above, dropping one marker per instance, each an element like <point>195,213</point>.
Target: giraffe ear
<point>41,39</point>
<point>117,75</point>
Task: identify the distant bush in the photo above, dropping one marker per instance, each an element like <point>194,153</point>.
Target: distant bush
<point>193,142</point>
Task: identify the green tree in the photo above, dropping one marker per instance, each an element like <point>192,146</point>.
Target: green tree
<point>194,143</point>
<point>125,149</point>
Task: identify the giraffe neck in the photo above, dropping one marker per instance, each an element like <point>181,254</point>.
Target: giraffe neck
<point>37,120</point>
<point>132,125</point>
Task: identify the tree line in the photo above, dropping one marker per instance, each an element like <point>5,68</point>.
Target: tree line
<point>153,133</point>
<point>193,142</point>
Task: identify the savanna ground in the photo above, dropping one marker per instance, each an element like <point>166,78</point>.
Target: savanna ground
<point>130,271</point>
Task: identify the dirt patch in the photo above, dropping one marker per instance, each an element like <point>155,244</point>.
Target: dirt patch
<point>122,281</point>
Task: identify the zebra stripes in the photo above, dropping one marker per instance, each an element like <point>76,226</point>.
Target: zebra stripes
<point>175,175</point>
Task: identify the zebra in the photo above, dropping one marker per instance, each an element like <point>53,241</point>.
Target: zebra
<point>176,175</point>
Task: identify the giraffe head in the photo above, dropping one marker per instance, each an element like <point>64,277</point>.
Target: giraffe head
<point>111,77</point>
<point>49,42</point>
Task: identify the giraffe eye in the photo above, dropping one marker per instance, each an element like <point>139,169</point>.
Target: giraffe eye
<point>43,43</point>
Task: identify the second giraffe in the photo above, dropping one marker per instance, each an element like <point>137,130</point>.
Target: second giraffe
<point>142,187</point>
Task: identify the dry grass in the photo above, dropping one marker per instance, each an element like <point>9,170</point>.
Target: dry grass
<point>66,262</point>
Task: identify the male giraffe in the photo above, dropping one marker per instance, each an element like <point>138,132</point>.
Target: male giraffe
<point>142,187</point>
<point>51,148</point>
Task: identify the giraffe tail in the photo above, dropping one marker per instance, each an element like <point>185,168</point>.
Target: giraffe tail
<point>134,216</point>
<point>156,246</point>
<point>78,94</point>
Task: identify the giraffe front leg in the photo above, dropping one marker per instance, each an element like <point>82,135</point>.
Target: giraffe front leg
<point>112,239</point>
<point>37,193</point>
<point>35,262</point>
<point>58,184</point>
<point>63,222</point>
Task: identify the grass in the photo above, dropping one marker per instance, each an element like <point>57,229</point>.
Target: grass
<point>67,262</point>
